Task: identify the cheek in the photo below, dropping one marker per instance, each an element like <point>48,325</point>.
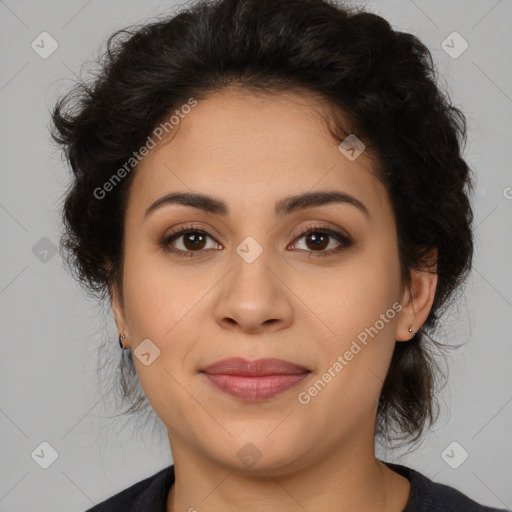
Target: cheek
<point>148,311</point>
<point>361,305</point>
<point>356,294</point>
<point>155,303</point>
<point>159,302</point>
<point>156,296</point>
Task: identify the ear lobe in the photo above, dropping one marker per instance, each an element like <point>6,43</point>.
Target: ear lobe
<point>418,299</point>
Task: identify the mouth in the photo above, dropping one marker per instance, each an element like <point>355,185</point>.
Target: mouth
<point>253,381</point>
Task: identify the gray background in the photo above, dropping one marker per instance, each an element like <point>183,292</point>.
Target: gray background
<point>51,332</point>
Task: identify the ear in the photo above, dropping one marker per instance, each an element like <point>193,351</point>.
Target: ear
<point>118,310</point>
<point>417,299</point>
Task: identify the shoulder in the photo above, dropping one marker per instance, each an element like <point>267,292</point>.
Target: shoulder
<point>429,496</point>
<point>148,495</point>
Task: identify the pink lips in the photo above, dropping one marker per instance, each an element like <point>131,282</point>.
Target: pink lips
<point>254,380</point>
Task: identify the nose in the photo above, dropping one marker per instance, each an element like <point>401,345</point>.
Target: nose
<point>254,298</point>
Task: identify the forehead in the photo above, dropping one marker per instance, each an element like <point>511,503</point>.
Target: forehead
<point>247,147</point>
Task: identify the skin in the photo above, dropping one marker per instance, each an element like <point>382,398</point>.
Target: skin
<point>250,151</point>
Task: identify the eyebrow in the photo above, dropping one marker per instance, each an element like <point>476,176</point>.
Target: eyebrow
<point>283,207</point>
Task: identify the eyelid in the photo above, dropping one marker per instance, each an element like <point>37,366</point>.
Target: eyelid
<point>185,228</point>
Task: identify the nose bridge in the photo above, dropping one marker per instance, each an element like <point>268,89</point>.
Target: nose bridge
<point>251,278</point>
<point>253,294</point>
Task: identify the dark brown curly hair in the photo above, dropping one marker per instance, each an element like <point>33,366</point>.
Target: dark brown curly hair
<point>380,81</point>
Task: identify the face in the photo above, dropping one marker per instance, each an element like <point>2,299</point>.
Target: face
<point>246,283</point>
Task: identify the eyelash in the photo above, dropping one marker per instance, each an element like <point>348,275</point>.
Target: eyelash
<point>344,240</point>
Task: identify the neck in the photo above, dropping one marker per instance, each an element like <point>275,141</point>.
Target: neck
<point>339,482</point>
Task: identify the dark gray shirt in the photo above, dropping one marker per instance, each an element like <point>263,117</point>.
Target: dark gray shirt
<point>150,495</point>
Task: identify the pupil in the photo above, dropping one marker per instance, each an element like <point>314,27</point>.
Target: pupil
<point>196,239</point>
<point>317,240</point>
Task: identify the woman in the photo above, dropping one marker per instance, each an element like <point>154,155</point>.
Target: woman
<point>273,196</point>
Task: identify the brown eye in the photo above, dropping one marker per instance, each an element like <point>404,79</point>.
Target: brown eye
<point>186,242</point>
<point>194,240</point>
<point>318,239</point>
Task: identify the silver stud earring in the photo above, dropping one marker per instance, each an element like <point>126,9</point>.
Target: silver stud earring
<point>121,338</point>
<point>411,331</point>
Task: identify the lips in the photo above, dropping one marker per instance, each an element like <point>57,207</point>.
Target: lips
<point>257,368</point>
<point>254,380</point>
